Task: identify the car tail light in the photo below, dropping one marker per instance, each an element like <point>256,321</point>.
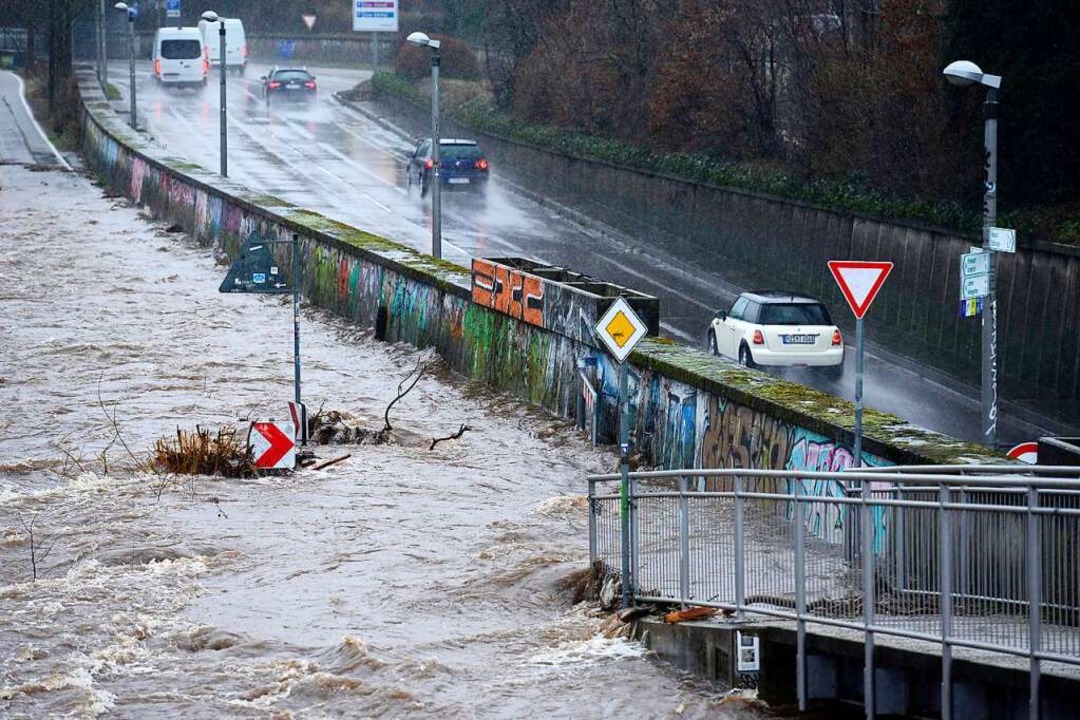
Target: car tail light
<point>481,164</point>
<point>310,84</point>
<point>759,339</point>
<point>837,338</point>
<point>274,84</point>
<point>429,164</point>
<point>205,67</point>
<point>245,50</point>
<point>157,67</point>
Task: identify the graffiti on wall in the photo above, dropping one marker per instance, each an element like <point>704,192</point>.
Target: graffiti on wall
<point>138,174</point>
<point>509,291</point>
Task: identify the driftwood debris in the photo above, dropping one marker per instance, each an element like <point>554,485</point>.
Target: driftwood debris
<point>455,436</point>
<point>417,373</point>
<point>332,461</point>
<point>694,613</point>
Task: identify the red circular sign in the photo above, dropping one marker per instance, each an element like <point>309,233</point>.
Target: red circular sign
<point>1026,452</point>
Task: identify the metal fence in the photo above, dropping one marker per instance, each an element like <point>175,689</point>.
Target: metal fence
<point>986,558</point>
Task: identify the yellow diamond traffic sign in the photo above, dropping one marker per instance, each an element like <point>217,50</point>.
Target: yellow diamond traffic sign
<point>620,328</point>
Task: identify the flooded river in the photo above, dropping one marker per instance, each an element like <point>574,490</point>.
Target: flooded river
<point>401,582</point>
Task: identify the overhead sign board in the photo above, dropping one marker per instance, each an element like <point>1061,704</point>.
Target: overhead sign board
<point>273,446</point>
<point>172,8</point>
<point>1002,239</point>
<point>860,281</point>
<point>620,329</point>
<point>255,271</point>
<point>375,15</point>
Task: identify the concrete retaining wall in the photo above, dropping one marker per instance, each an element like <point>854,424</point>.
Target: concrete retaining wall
<point>689,409</point>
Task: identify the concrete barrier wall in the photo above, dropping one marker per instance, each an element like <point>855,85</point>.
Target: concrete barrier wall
<point>784,243</point>
<point>689,409</point>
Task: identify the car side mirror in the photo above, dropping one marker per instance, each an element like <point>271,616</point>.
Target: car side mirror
<point>262,77</point>
<point>721,315</point>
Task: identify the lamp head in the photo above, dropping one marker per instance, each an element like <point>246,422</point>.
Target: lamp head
<point>122,7</point>
<point>209,16</point>
<point>965,72</point>
<point>418,38</point>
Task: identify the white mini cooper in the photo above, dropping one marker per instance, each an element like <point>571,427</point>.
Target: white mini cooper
<point>778,329</point>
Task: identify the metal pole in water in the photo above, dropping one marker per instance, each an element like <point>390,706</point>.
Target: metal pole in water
<point>296,334</point>
<point>624,493</point>
<point>224,142</point>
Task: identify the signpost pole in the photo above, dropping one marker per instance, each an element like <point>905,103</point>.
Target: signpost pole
<point>296,336</point>
<point>624,490</point>
<point>222,126</point>
<point>620,329</point>
<point>858,390</point>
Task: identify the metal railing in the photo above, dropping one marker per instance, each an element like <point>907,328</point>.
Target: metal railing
<point>984,558</point>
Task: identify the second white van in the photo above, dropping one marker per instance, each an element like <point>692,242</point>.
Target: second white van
<point>180,57</point>
<point>236,49</point>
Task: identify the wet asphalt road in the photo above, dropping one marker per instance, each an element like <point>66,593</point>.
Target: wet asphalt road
<point>339,162</point>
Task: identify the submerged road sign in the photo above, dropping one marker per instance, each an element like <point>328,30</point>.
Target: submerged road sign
<point>273,446</point>
<point>255,271</point>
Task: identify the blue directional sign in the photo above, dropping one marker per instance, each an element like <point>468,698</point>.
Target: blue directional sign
<point>375,15</point>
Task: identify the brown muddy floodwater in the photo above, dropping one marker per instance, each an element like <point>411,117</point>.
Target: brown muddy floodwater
<point>401,582</point>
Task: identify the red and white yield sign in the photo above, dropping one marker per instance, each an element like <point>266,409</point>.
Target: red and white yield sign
<point>860,281</point>
<point>273,445</point>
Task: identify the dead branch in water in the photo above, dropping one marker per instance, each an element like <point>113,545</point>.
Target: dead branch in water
<point>35,559</point>
<point>333,461</point>
<point>455,436</point>
<point>117,437</point>
<point>418,372</point>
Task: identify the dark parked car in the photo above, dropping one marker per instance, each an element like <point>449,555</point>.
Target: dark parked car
<point>290,84</point>
<point>463,166</point>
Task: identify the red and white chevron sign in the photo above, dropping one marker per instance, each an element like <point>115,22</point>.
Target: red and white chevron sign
<point>273,445</point>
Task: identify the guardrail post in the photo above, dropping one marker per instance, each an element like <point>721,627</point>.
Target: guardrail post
<point>799,525</point>
<point>592,523</point>
<point>684,542</point>
<point>1034,582</point>
<point>865,518</point>
<point>740,549</point>
<point>945,574</point>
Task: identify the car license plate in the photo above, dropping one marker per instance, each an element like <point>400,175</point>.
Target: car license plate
<point>293,85</point>
<point>458,181</point>
<point>799,339</point>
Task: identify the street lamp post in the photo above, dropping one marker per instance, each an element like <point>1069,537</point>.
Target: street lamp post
<point>211,16</point>
<point>103,48</point>
<point>421,39</point>
<point>125,8</point>
<point>963,72</point>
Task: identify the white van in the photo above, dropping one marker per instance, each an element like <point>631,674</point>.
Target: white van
<point>236,49</point>
<point>180,57</point>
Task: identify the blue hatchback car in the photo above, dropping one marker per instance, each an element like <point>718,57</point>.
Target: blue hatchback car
<point>463,166</point>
